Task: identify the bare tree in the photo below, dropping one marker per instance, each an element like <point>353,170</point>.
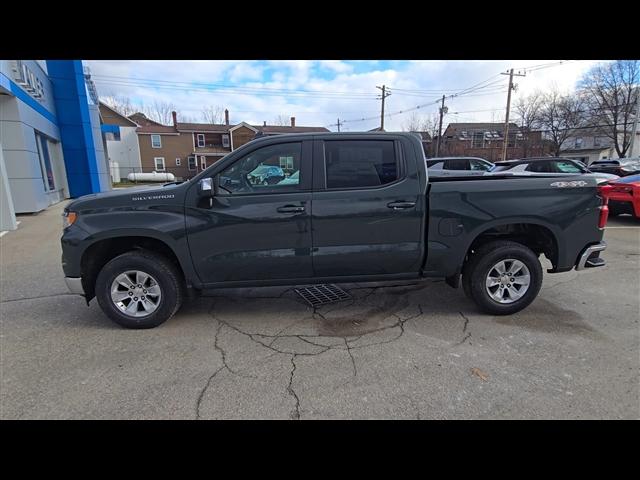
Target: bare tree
<point>121,104</point>
<point>527,112</point>
<point>160,112</point>
<point>213,114</point>
<point>611,94</point>
<point>281,121</point>
<point>417,123</point>
<point>560,115</point>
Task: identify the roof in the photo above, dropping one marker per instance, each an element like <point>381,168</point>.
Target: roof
<point>288,129</point>
<point>585,150</point>
<point>142,120</point>
<point>106,110</point>
<point>203,127</point>
<point>156,129</point>
<point>480,126</point>
<point>453,129</point>
<point>268,129</point>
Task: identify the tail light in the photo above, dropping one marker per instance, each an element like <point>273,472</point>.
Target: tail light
<point>624,189</point>
<point>604,191</point>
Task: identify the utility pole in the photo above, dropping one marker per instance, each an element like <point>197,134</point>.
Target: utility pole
<point>634,132</point>
<point>506,120</point>
<point>339,124</point>
<point>443,110</point>
<point>385,94</point>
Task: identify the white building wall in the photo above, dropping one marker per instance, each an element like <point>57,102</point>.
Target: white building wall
<point>126,152</point>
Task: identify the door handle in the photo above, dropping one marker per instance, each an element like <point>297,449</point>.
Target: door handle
<point>401,205</point>
<point>290,209</point>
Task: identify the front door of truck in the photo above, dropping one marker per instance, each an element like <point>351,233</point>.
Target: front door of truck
<point>368,212</point>
<point>258,225</point>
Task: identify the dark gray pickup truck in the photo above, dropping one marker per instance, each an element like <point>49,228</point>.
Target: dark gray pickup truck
<point>347,208</point>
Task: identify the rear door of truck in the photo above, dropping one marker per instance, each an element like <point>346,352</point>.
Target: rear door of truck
<point>368,206</point>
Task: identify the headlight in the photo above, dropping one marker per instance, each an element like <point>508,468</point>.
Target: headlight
<point>68,218</point>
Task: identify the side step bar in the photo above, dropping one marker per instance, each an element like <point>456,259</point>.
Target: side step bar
<point>590,257</point>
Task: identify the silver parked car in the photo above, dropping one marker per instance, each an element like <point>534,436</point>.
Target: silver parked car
<point>553,166</point>
<point>457,166</point>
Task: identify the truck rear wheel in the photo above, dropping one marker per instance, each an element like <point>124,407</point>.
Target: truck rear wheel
<point>502,277</point>
<point>139,289</point>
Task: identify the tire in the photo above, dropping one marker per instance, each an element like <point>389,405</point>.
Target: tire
<point>481,265</point>
<point>614,212</point>
<point>164,280</point>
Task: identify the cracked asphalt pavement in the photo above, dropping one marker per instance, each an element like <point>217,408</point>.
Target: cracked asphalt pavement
<point>392,351</point>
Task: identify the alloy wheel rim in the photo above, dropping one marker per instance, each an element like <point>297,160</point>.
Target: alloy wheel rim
<point>136,293</point>
<point>507,281</point>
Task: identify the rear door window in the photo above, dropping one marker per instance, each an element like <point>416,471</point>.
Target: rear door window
<point>360,163</point>
<point>540,167</point>
<point>567,167</point>
<point>456,164</point>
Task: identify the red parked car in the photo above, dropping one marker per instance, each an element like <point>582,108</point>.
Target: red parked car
<point>623,195</point>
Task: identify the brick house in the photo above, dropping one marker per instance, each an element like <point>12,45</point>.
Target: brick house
<point>486,140</point>
<point>186,149</point>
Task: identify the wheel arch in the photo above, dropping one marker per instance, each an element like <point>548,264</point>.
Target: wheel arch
<point>539,236</point>
<point>102,250</point>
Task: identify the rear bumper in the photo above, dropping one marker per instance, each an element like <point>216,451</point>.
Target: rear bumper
<point>74,284</point>
<point>590,256</point>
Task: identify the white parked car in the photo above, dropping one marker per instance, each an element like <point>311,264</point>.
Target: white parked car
<point>553,166</point>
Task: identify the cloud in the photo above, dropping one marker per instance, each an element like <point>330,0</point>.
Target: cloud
<point>252,90</point>
<point>336,66</point>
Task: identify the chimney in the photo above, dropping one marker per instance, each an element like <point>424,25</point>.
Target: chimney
<point>175,118</point>
<point>226,116</point>
<point>264,123</point>
<point>293,121</point>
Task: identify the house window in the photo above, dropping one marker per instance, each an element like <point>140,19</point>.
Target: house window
<point>286,163</point>
<point>159,162</point>
<point>45,162</point>
<point>578,142</point>
<point>225,141</point>
<point>201,140</point>
<point>192,163</point>
<point>155,141</point>
<point>478,140</point>
<point>203,162</point>
<point>178,161</point>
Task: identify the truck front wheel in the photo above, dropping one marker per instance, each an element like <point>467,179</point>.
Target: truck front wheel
<point>139,289</point>
<point>502,277</point>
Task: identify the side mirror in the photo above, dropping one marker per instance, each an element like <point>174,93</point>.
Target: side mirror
<point>206,187</point>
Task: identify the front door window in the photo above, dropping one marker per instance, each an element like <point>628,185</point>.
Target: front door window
<point>262,171</point>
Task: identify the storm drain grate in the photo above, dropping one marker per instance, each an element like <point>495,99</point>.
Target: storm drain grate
<point>322,294</point>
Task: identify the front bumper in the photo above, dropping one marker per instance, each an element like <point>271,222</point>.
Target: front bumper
<point>74,284</point>
<point>590,256</point>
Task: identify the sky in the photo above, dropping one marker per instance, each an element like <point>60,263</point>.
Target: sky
<point>318,93</point>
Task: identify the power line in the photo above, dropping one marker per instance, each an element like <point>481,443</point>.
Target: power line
<point>178,83</point>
